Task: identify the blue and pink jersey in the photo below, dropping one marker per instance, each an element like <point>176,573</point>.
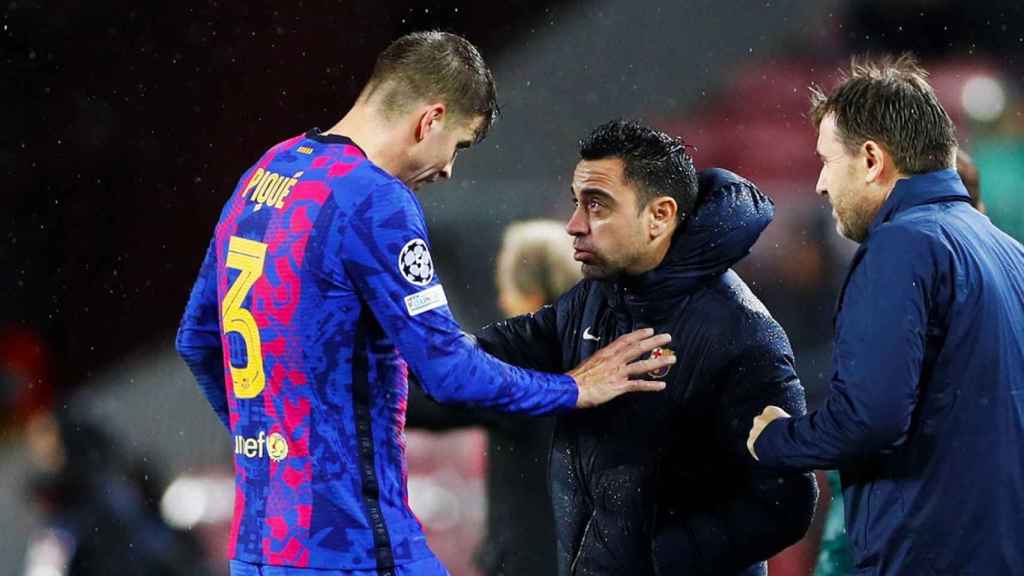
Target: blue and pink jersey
<point>316,297</point>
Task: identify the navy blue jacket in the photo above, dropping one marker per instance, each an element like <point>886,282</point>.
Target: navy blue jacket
<point>925,417</point>
<point>661,483</point>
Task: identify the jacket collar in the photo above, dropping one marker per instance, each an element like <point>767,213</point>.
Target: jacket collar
<point>927,188</point>
<point>730,215</point>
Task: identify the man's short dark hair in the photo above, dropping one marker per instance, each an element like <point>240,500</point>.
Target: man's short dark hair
<point>436,66</point>
<point>657,163</point>
<point>889,100</point>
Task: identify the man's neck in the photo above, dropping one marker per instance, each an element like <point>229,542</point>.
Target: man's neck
<point>373,135</point>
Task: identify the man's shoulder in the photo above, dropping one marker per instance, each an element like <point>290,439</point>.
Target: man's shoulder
<point>918,225</point>
<point>729,296</point>
<point>729,311</point>
<point>369,189</point>
<point>915,236</point>
<point>366,177</point>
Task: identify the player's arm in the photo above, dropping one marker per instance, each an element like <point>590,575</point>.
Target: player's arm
<point>198,341</point>
<point>410,305</point>
<point>769,510</point>
<point>425,413</point>
<point>528,341</point>
<point>879,351</point>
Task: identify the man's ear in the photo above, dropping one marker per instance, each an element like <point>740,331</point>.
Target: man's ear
<point>875,159</point>
<point>662,216</point>
<point>431,118</point>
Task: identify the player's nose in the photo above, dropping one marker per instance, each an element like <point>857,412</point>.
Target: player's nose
<point>577,224</point>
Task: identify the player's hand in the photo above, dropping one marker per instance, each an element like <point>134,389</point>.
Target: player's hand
<point>767,416</point>
<point>606,374</point>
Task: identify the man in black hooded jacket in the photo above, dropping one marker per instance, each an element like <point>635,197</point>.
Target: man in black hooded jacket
<point>662,483</point>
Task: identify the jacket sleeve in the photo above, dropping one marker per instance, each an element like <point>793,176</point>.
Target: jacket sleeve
<point>769,510</point>
<point>198,341</point>
<point>877,360</point>
<point>387,260</point>
<point>531,340</point>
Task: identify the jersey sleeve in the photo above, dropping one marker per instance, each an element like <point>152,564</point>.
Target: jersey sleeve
<point>386,255</point>
<point>198,341</point>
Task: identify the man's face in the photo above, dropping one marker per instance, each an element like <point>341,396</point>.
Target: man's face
<point>433,158</point>
<point>606,225</point>
<point>843,180</point>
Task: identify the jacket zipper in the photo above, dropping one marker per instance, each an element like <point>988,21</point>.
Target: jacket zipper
<point>579,547</point>
<point>579,464</point>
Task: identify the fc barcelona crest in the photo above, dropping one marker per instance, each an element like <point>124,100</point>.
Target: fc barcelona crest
<point>658,353</point>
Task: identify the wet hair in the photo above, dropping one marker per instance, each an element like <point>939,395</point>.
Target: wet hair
<point>435,66</point>
<point>536,258</point>
<point>655,162</point>
<point>889,100</point>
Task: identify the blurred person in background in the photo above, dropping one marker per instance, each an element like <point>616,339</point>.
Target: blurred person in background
<point>315,298</point>
<point>999,154</point>
<point>99,507</point>
<point>971,178</point>
<point>662,484</point>
<point>835,557</point>
<point>925,416</point>
<point>534,267</point>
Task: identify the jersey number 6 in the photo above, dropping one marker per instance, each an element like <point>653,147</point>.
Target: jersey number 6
<point>248,257</point>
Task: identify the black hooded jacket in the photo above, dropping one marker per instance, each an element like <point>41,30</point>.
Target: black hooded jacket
<point>662,483</point>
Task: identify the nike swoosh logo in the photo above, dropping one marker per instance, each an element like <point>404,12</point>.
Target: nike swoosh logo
<point>588,336</point>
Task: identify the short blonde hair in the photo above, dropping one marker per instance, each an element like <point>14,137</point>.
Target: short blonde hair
<point>536,259</point>
<point>435,65</point>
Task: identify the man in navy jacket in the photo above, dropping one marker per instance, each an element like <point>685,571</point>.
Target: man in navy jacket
<point>925,417</point>
<point>665,486</point>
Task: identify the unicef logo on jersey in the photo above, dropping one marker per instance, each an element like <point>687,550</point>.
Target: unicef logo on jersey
<point>415,264</point>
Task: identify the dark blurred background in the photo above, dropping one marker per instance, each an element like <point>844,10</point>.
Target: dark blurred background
<point>128,125</point>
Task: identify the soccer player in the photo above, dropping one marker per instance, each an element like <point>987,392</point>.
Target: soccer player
<point>317,295</point>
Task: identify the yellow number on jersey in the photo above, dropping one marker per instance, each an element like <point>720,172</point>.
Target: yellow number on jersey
<point>248,257</point>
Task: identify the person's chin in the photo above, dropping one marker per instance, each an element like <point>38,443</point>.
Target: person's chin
<point>841,228</point>
<point>847,232</point>
<point>595,272</point>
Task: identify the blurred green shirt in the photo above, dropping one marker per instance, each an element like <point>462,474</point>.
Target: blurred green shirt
<point>1000,162</point>
<point>834,557</point>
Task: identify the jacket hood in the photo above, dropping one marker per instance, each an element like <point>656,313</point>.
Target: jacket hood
<point>728,219</point>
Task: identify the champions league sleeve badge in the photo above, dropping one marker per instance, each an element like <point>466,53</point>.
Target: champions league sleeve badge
<point>415,264</point>
<point>658,353</point>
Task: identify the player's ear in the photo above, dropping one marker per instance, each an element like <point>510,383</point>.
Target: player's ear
<point>874,157</point>
<point>661,216</point>
<point>431,118</point>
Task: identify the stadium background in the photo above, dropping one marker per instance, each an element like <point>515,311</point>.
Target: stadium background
<point>127,125</point>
